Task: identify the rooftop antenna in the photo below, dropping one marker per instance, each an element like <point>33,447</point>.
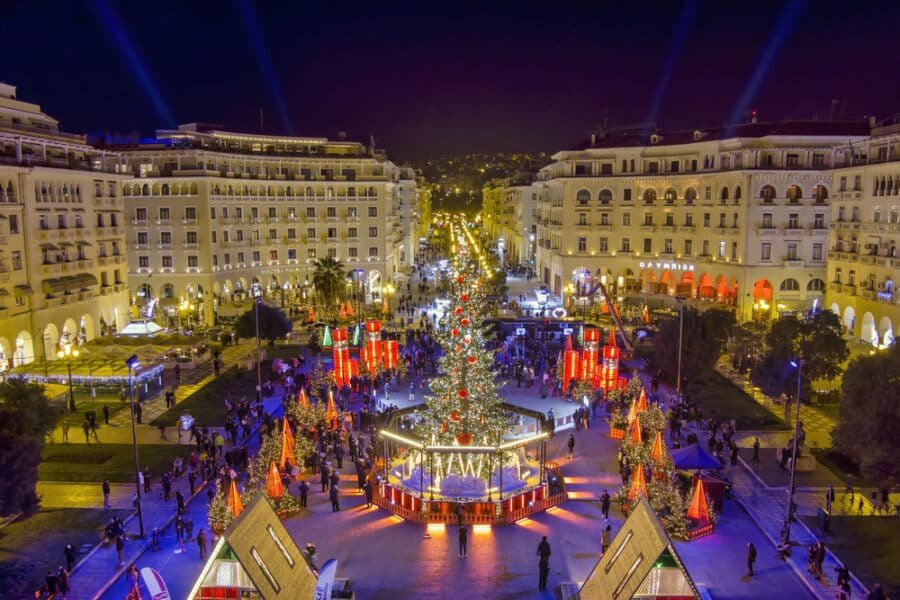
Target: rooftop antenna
<point>261,121</point>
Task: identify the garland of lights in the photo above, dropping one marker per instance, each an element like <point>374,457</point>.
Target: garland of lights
<point>145,376</point>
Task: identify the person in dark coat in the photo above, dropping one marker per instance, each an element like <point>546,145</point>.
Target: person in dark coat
<point>604,504</point>
<point>304,492</point>
<point>69,551</point>
<point>368,488</point>
<point>323,477</point>
<point>751,558</point>
<point>571,445</point>
<point>463,540</point>
<point>334,495</point>
<point>543,551</point>
<point>201,544</point>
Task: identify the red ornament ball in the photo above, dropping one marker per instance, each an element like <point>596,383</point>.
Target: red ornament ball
<point>472,360</point>
<point>464,297</point>
<point>457,349</point>
<point>460,279</point>
<point>455,416</point>
<point>459,310</point>
<point>454,332</point>
<point>464,322</point>
<point>463,393</point>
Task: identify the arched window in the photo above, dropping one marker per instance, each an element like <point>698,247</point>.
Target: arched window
<point>351,192</point>
<point>671,195</point>
<point>767,192</point>
<point>165,189</point>
<point>309,191</point>
<point>794,193</point>
<point>737,192</point>
<point>649,196</point>
<point>690,195</point>
<point>815,285</point>
<point>583,197</point>
<point>145,190</point>
<point>168,291</point>
<point>819,193</point>
<point>605,196</point>
<point>790,285</point>
<point>724,194</point>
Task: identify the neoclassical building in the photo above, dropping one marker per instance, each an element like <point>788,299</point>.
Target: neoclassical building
<point>63,272</point>
<point>510,209</point>
<point>210,213</point>
<point>863,264</point>
<point>735,215</point>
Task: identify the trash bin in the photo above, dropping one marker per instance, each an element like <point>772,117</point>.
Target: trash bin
<point>823,518</point>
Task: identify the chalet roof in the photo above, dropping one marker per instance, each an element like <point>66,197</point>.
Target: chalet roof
<point>640,561</point>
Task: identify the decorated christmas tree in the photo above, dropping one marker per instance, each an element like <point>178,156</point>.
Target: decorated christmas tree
<point>464,407</point>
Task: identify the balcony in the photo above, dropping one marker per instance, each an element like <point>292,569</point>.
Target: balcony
<point>790,261</point>
<point>818,230</point>
<point>767,230</point>
<point>647,227</point>
<point>187,221</point>
<point>191,245</point>
<point>50,268</point>
<point>687,228</point>
<point>835,286</point>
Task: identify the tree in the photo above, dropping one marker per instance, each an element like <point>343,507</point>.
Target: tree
<point>703,341</point>
<point>273,323</point>
<point>749,344</point>
<point>870,413</point>
<point>26,417</point>
<point>815,337</point>
<point>328,279</point>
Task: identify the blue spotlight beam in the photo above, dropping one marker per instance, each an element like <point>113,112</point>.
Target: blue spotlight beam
<point>251,24</point>
<point>130,55</point>
<point>676,46</point>
<point>782,29</point>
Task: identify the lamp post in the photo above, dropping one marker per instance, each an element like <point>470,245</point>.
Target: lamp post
<point>257,300</point>
<point>389,289</point>
<point>680,301</point>
<point>133,363</point>
<point>570,289</point>
<point>799,362</point>
<point>68,351</point>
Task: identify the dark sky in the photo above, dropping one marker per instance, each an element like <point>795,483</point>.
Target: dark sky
<point>432,78</point>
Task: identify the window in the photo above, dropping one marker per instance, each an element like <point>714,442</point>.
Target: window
<point>193,261</point>
<point>240,257</point>
<point>373,211</point>
<point>143,262</point>
<point>674,166</point>
<point>142,237</point>
<point>626,194</point>
<point>818,161</point>
<point>164,214</point>
<point>670,219</point>
<point>191,237</point>
<point>693,164</point>
<point>291,233</point>
<point>255,256</point>
<point>793,221</point>
<point>819,221</point>
<point>721,219</point>
<point>582,219</point>
<point>670,196</point>
<point>212,212</point>
<point>733,250</point>
<point>273,212</point>
<point>765,251</point>
<point>626,244</point>
<point>61,220</point>
<point>352,232</point>
<point>273,255</point>
<point>792,160</point>
<point>794,193</point>
<point>706,219</point>
<point>353,252</point>
<point>292,254</point>
<point>649,196</point>
<point>648,218</point>
<point>604,244</point>
<point>707,193</point>
<point>582,169</point>
<point>690,195</point>
<point>373,252</point>
<point>653,167</point>
<point>310,253</point>
<point>254,213</point>
<point>373,232</point>
<point>816,285</point>
<point>688,247</point>
<point>767,221</point>
<point>734,221</point>
<point>689,219</point>
<point>705,251</point>
<point>767,193</point>
<point>817,252</point>
<point>722,248</point>
<point>667,246</point>
<point>167,262</point>
<point>605,196</point>
<point>17,260</point>
<point>837,275</point>
<point>851,277</point>
<point>226,259</point>
<point>843,186</point>
<point>792,251</point>
<point>351,211</point>
<point>165,237</point>
<point>604,218</point>
<point>582,244</point>
<point>626,219</point>
<point>239,235</point>
<point>292,211</point>
<point>583,197</point>
<point>311,232</point>
<point>239,212</point>
<point>331,212</point>
<point>140,214</point>
<point>606,169</point>
<point>332,233</point>
<point>790,285</point>
<point>310,212</point>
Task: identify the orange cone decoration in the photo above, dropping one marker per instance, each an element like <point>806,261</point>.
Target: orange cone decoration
<point>234,500</point>
<point>342,312</point>
<point>274,487</point>
<point>635,432</point>
<point>632,412</point>
<point>698,510</point>
<point>645,315</point>
<point>642,401</point>
<point>384,307</point>
<point>638,483</point>
<point>311,316</point>
<point>303,399</point>
<point>658,451</point>
<point>287,444</point>
<point>612,338</point>
<point>349,309</point>
<point>331,412</point>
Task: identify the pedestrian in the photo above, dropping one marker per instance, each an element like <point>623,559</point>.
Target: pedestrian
<point>120,548</point>
<point>179,500</point>
<point>192,480</point>
<point>138,412</point>
<point>188,528</point>
<point>605,538</point>
<point>106,414</point>
<point>69,551</point>
<point>146,480</point>
<point>571,445</point>
<point>86,426</point>
<point>201,543</point>
<point>62,579</point>
<point>105,487</point>
<point>304,492</point>
<point>543,551</point>
<point>829,498</point>
<point>179,528</point>
<point>65,431</point>
<point>604,504</point>
<point>756,450</point>
<point>368,489</point>
<point>334,495</point>
<point>751,558</point>
<point>154,539</point>
<point>463,532</point>
<point>162,431</point>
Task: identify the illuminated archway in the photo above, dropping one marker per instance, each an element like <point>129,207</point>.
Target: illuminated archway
<point>667,281</point>
<point>867,330</point>
<point>51,340</point>
<point>705,287</point>
<point>721,288</point>
<point>886,331</point>
<point>850,319</point>
<point>685,287</point>
<point>24,350</point>
<point>86,328</point>
<point>648,278</point>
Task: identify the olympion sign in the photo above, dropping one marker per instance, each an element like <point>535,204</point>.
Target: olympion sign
<point>666,265</point>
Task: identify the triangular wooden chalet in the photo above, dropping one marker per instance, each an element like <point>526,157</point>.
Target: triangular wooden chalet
<point>641,563</point>
<point>255,558</point>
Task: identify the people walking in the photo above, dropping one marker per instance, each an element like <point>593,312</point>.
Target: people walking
<point>604,504</point>
<point>605,538</point>
<point>543,551</point>
<point>201,544</point>
<point>751,558</point>
<point>571,445</point>
<point>334,496</point>
<point>105,493</point>
<point>65,432</point>
<point>463,532</point>
<point>69,551</point>
<point>120,548</point>
<point>304,492</point>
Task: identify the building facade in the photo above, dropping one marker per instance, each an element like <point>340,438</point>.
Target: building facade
<point>63,272</point>
<point>735,216</point>
<point>864,234</point>
<point>510,210</point>
<point>210,213</point>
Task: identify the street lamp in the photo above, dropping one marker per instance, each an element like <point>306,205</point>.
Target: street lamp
<point>257,300</point>
<point>798,363</point>
<point>133,363</point>
<point>68,351</point>
<point>570,289</point>
<point>680,301</point>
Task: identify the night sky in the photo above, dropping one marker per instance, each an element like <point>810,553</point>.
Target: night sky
<point>430,78</point>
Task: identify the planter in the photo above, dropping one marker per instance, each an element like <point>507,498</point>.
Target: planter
<point>616,434</point>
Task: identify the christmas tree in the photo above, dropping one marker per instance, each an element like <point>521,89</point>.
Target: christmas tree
<point>464,407</point>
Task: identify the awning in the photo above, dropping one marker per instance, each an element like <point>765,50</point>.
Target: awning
<point>49,247</point>
<point>54,286</point>
<point>23,290</point>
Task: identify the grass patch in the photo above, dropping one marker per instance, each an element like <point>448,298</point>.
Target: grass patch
<point>869,546</point>
<point>96,462</point>
<point>711,392</point>
<point>28,548</point>
<point>84,403</point>
<point>207,405</point>
<point>843,465</point>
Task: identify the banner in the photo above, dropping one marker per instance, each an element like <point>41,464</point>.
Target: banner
<point>326,580</point>
<point>156,587</point>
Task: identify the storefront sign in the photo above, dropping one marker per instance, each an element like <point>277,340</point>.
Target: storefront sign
<point>672,266</point>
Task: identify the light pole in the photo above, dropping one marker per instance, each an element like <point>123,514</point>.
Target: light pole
<point>257,300</point>
<point>680,301</point>
<point>133,363</point>
<point>798,362</point>
<point>570,289</point>
<point>389,289</point>
<point>68,351</point>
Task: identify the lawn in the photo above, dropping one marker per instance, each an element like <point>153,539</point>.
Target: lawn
<point>84,403</point>
<point>713,392</point>
<point>28,548</point>
<point>96,462</point>
<point>869,546</point>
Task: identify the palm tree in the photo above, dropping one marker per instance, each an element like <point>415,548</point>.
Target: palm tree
<point>328,279</point>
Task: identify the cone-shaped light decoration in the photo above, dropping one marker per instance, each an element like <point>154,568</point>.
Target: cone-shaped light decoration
<point>635,432</point>
<point>274,487</point>
<point>632,412</point>
<point>645,315</point>
<point>331,412</point>
<point>698,509</point>
<point>355,340</point>
<point>303,399</point>
<point>234,499</point>
<point>384,307</point>
<point>349,309</point>
<point>342,312</point>
<point>642,402</point>
<point>658,451</point>
<point>326,337</point>
<point>287,445</point>
<point>568,347</point>
<point>311,315</point>
<point>638,483</point>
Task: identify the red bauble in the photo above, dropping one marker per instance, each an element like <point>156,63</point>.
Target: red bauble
<point>471,360</point>
<point>454,332</point>
<point>443,426</point>
<point>464,322</point>
<point>463,393</point>
<point>464,438</point>
<point>459,310</point>
<point>457,349</point>
<point>464,297</point>
<point>455,416</point>
<point>459,279</point>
